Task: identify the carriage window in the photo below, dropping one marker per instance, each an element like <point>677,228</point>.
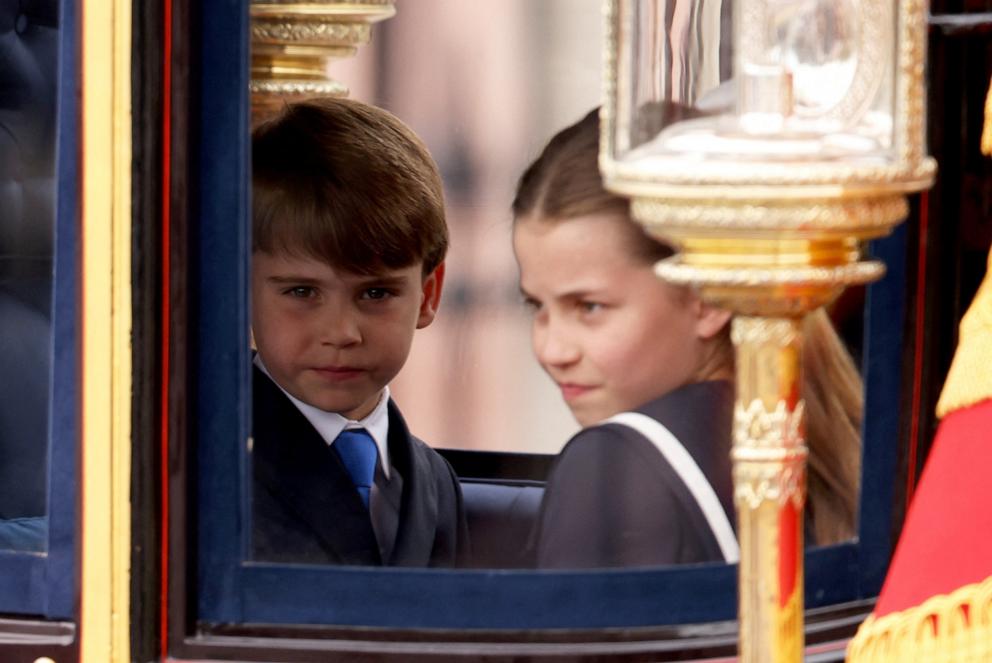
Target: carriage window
<point>473,381</point>
<point>501,83</point>
<point>27,220</point>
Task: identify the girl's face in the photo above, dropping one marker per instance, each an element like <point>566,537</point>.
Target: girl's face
<point>610,333</point>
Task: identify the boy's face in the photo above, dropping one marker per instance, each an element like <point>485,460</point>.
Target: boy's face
<point>608,331</point>
<point>334,339</point>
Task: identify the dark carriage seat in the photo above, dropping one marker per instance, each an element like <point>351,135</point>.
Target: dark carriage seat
<point>28,84</point>
<point>501,516</point>
<point>502,494</point>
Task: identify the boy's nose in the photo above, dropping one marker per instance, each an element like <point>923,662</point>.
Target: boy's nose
<point>340,330</point>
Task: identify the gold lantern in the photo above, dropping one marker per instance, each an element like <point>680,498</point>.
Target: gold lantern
<point>767,140</point>
<point>293,42</point>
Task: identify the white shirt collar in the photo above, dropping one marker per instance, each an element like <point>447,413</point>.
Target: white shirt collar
<point>330,424</point>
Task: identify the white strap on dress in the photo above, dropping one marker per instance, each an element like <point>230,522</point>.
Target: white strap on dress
<point>687,469</point>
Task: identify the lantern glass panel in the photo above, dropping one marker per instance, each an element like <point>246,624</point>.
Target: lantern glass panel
<point>754,81</point>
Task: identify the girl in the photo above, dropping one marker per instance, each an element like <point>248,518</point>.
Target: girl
<point>647,368</point>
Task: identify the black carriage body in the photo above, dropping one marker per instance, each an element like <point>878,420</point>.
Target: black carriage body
<point>193,593</point>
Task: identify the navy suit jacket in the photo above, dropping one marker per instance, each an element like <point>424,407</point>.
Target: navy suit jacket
<point>613,500</point>
<point>305,508</point>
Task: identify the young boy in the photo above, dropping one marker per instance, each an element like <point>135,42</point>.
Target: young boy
<point>349,238</point>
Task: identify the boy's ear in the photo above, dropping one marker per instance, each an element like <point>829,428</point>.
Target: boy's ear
<point>431,291</point>
<point>710,320</point>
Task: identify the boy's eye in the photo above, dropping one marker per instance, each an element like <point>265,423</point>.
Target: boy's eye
<point>375,293</point>
<point>531,304</point>
<point>301,292</point>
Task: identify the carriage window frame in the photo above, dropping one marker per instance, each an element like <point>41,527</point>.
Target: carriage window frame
<point>228,588</point>
<point>45,584</point>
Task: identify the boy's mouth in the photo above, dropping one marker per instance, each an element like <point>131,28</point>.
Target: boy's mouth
<point>339,372</point>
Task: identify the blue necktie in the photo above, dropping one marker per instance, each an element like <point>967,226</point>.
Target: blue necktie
<point>358,452</point>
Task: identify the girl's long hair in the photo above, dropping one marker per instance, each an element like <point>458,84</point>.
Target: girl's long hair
<point>564,182</point>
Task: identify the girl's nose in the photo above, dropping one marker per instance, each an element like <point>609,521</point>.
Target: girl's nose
<point>553,346</point>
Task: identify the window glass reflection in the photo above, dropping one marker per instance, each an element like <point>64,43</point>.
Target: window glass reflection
<point>28,49</point>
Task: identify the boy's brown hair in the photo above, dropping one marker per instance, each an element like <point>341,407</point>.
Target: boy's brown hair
<point>348,184</point>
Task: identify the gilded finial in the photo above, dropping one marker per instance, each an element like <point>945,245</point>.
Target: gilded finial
<point>293,42</point>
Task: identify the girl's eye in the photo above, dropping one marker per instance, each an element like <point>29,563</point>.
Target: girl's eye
<point>590,307</point>
<point>375,293</point>
<point>531,304</point>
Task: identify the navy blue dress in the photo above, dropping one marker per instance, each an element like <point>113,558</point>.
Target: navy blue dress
<point>613,500</point>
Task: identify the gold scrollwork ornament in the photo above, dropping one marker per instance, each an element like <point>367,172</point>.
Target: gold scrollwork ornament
<point>759,483</point>
<point>756,427</point>
<point>775,331</point>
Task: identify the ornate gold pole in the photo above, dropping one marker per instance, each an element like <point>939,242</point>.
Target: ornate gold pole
<point>768,199</point>
<point>769,455</point>
<point>771,284</point>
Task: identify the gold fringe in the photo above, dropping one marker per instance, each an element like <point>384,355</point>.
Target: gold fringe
<point>949,628</point>
<point>970,380</point>
<point>987,131</point>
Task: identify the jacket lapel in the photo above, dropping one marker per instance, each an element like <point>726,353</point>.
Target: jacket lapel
<point>303,472</point>
<point>418,516</point>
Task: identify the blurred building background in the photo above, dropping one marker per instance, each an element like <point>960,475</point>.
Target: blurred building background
<point>485,84</point>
